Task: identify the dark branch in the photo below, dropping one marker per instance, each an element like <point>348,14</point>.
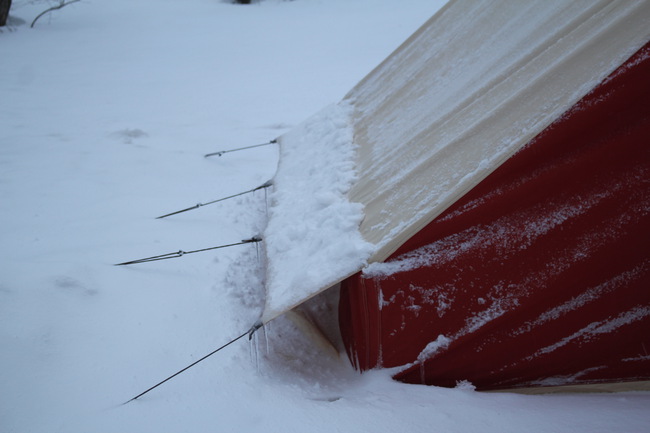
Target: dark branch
<point>53,8</point>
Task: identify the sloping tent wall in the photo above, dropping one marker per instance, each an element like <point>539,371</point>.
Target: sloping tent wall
<point>466,92</point>
<point>538,276</point>
<point>470,88</point>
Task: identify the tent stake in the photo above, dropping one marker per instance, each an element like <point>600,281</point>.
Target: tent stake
<point>264,185</point>
<point>180,253</point>
<point>221,152</point>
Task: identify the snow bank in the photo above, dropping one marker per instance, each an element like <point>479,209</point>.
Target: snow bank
<point>312,237</point>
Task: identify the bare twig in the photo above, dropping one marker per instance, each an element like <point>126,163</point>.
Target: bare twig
<point>53,8</point>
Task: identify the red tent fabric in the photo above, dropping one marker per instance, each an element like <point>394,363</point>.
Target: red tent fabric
<point>538,276</point>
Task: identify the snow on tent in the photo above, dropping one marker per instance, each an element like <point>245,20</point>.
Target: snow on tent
<point>482,198</point>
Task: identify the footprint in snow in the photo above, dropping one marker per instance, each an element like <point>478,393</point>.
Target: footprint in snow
<point>127,135</point>
<point>72,285</point>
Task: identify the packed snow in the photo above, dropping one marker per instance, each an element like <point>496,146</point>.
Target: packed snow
<point>107,110</point>
<point>311,220</point>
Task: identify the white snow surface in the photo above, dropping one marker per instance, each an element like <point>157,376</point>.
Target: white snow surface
<point>107,108</point>
<point>313,237</point>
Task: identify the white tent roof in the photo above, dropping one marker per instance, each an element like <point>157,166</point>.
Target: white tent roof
<point>472,86</point>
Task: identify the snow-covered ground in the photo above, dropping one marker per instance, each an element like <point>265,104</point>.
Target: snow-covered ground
<point>106,110</point>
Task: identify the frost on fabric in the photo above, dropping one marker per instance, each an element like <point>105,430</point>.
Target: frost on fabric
<point>590,295</point>
<point>564,380</point>
<point>312,239</point>
<point>510,234</point>
<point>596,328</point>
<point>472,324</point>
<point>434,347</point>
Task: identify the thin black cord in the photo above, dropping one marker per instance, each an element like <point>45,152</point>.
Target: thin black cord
<point>189,366</point>
<point>181,253</point>
<point>198,205</point>
<point>221,152</point>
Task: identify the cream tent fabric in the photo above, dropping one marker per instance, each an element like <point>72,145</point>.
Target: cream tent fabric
<point>476,83</point>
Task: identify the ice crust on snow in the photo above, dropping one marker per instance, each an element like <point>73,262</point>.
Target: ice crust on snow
<point>313,237</point>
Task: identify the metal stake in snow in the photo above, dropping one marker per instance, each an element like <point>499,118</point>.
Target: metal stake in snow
<point>221,152</point>
<point>250,333</point>
<point>198,205</point>
<point>180,253</point>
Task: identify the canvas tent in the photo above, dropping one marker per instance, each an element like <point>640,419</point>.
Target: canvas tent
<point>491,180</point>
